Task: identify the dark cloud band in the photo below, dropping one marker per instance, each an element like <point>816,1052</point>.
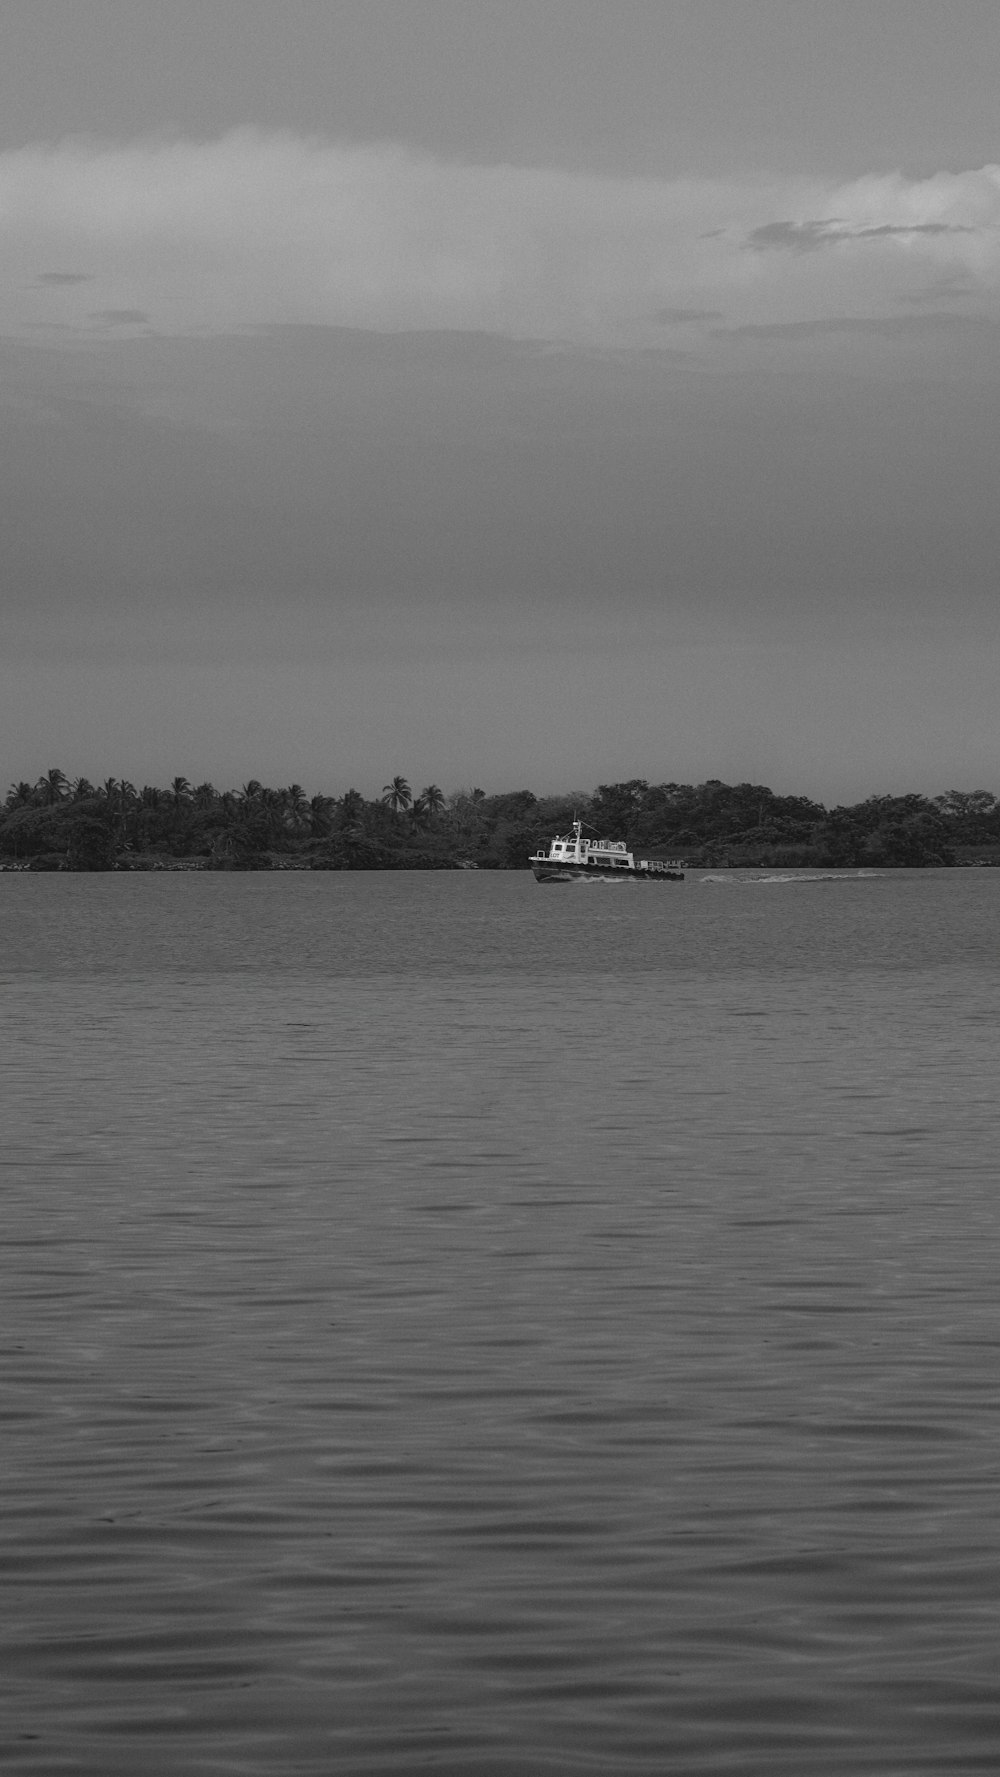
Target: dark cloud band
<point>809,237</point>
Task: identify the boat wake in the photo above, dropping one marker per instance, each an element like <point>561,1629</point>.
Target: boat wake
<point>734,881</point>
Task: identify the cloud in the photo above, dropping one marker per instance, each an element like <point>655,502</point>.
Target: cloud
<point>672,316</point>
<point>872,326</point>
<point>120,317</point>
<point>808,237</point>
<point>954,288</point>
<point>273,229</point>
<point>795,237</point>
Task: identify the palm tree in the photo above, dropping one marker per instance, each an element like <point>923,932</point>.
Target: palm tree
<point>320,815</point>
<point>180,792</point>
<point>20,796</point>
<point>204,795</point>
<point>251,790</point>
<point>352,815</point>
<point>82,789</point>
<point>397,794</point>
<point>128,802</point>
<point>53,786</point>
<point>296,805</point>
<point>150,800</point>
<point>433,799</point>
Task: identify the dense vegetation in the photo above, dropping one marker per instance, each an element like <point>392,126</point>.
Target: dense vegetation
<point>58,824</point>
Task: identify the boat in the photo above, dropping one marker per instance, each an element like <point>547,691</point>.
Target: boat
<point>571,858</point>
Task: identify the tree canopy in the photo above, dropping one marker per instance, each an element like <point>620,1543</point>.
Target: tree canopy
<point>59,822</point>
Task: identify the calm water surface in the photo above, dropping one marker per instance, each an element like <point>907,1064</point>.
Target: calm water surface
<point>452,1325</point>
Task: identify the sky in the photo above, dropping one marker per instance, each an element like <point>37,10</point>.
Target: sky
<point>520,393</point>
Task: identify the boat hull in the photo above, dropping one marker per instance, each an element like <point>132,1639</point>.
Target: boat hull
<point>547,870</point>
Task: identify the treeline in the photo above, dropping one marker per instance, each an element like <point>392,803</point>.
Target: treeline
<point>59,824</point>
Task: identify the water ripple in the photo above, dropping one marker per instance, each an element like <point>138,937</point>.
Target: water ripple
<point>530,1339</point>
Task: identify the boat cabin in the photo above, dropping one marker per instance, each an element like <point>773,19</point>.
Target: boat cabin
<point>577,850</point>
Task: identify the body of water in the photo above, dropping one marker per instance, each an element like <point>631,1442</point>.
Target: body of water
<point>454,1325</point>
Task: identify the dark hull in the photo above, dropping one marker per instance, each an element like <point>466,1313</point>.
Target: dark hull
<point>549,871</point>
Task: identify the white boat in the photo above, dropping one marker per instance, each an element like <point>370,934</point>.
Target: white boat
<point>571,858</point>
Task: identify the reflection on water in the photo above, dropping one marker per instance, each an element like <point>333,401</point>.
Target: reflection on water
<point>449,1325</point>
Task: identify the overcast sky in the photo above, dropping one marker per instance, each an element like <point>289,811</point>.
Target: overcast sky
<point>511,392</point>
